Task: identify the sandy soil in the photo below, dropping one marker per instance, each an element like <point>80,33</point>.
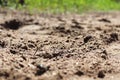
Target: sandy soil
<point>60,47</point>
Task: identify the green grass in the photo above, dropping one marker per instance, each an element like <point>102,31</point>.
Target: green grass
<point>75,6</point>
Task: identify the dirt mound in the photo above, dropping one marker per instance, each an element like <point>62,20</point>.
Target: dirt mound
<point>72,47</point>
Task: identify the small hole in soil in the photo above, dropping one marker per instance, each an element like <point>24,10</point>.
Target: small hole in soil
<point>101,74</point>
<point>2,44</point>
<point>13,51</point>
<point>4,74</point>
<point>114,36</point>
<point>87,38</point>
<point>79,73</point>
<point>41,69</point>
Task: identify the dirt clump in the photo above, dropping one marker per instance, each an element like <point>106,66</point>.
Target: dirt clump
<point>12,24</point>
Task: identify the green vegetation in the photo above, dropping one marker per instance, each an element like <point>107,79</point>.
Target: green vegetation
<point>57,6</point>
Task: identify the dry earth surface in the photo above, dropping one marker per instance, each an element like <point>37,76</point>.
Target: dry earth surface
<point>59,47</point>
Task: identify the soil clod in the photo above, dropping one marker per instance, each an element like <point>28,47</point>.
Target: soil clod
<point>104,20</point>
<point>12,24</point>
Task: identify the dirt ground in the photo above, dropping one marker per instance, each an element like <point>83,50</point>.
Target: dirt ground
<point>59,47</point>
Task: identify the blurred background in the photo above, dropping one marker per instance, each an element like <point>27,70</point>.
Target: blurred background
<point>60,6</point>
